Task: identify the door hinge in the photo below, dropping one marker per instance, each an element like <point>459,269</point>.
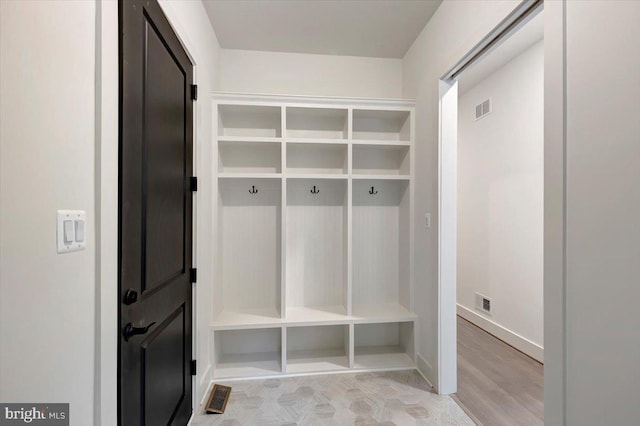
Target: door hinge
<point>193,367</point>
<point>194,183</point>
<point>193,275</point>
<point>194,92</point>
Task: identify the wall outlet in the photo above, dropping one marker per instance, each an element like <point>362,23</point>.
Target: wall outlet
<point>483,303</point>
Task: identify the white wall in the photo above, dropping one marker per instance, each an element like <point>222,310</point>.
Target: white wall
<point>602,208</point>
<point>454,30</point>
<point>58,150</point>
<point>47,300</point>
<point>305,74</point>
<point>500,202</point>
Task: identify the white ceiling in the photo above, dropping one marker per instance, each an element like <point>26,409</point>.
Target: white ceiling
<point>374,28</point>
<point>531,33</point>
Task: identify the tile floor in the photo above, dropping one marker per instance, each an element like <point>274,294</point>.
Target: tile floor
<point>386,398</point>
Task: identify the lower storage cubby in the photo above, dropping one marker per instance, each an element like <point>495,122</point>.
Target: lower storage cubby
<point>248,353</point>
<point>317,348</point>
<point>384,345</point>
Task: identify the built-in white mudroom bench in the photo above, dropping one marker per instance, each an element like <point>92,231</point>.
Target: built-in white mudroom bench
<point>314,235</point>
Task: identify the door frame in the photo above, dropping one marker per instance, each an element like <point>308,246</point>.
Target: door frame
<point>106,201</point>
<point>555,293</point>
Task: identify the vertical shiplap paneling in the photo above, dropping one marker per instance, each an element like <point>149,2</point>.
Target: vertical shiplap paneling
<point>316,257</point>
<point>250,251</point>
<point>376,241</point>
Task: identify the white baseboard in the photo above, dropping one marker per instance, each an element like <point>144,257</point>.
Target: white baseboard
<point>205,383</point>
<point>425,370</point>
<point>523,344</point>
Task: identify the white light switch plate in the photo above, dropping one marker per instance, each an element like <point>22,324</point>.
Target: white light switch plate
<point>73,216</point>
<point>427,220</point>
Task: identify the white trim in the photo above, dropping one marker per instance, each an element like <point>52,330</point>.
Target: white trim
<point>555,208</point>
<point>209,385</point>
<point>203,386</point>
<point>106,220</point>
<point>254,98</point>
<point>425,369</point>
<point>312,373</point>
<point>447,378</point>
<point>510,337</point>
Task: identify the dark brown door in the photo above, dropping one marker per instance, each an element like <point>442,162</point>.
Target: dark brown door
<point>155,219</point>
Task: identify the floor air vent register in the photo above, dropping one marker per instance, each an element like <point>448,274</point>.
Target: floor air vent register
<point>218,399</point>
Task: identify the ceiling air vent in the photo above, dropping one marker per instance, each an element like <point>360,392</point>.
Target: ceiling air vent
<point>483,109</point>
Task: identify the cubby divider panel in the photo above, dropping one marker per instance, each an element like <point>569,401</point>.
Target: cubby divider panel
<point>317,348</point>
<point>250,223</point>
<point>249,121</point>
<point>247,353</point>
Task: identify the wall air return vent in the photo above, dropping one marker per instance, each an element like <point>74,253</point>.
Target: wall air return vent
<point>483,303</point>
<point>482,109</point>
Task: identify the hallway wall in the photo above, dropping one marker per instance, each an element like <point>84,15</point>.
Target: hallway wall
<point>500,202</point>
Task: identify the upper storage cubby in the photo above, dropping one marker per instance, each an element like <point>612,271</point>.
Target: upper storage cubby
<point>311,158</point>
<point>317,123</point>
<point>249,121</point>
<point>249,157</point>
<point>381,125</point>
<point>381,160</point>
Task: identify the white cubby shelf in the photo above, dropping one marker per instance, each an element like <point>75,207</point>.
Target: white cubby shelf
<point>314,235</point>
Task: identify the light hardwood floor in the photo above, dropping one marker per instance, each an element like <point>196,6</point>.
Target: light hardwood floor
<point>497,385</point>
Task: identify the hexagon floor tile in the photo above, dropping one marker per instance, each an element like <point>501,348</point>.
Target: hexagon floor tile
<point>388,398</point>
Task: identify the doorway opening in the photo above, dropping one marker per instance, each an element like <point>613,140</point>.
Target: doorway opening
<point>491,230</point>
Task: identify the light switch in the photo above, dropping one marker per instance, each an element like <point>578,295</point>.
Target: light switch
<point>68,231</point>
<point>79,230</point>
<point>427,220</point>
<point>70,235</point>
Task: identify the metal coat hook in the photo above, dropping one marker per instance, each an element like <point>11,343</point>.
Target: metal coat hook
<point>373,192</point>
<point>315,190</point>
<point>253,190</point>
